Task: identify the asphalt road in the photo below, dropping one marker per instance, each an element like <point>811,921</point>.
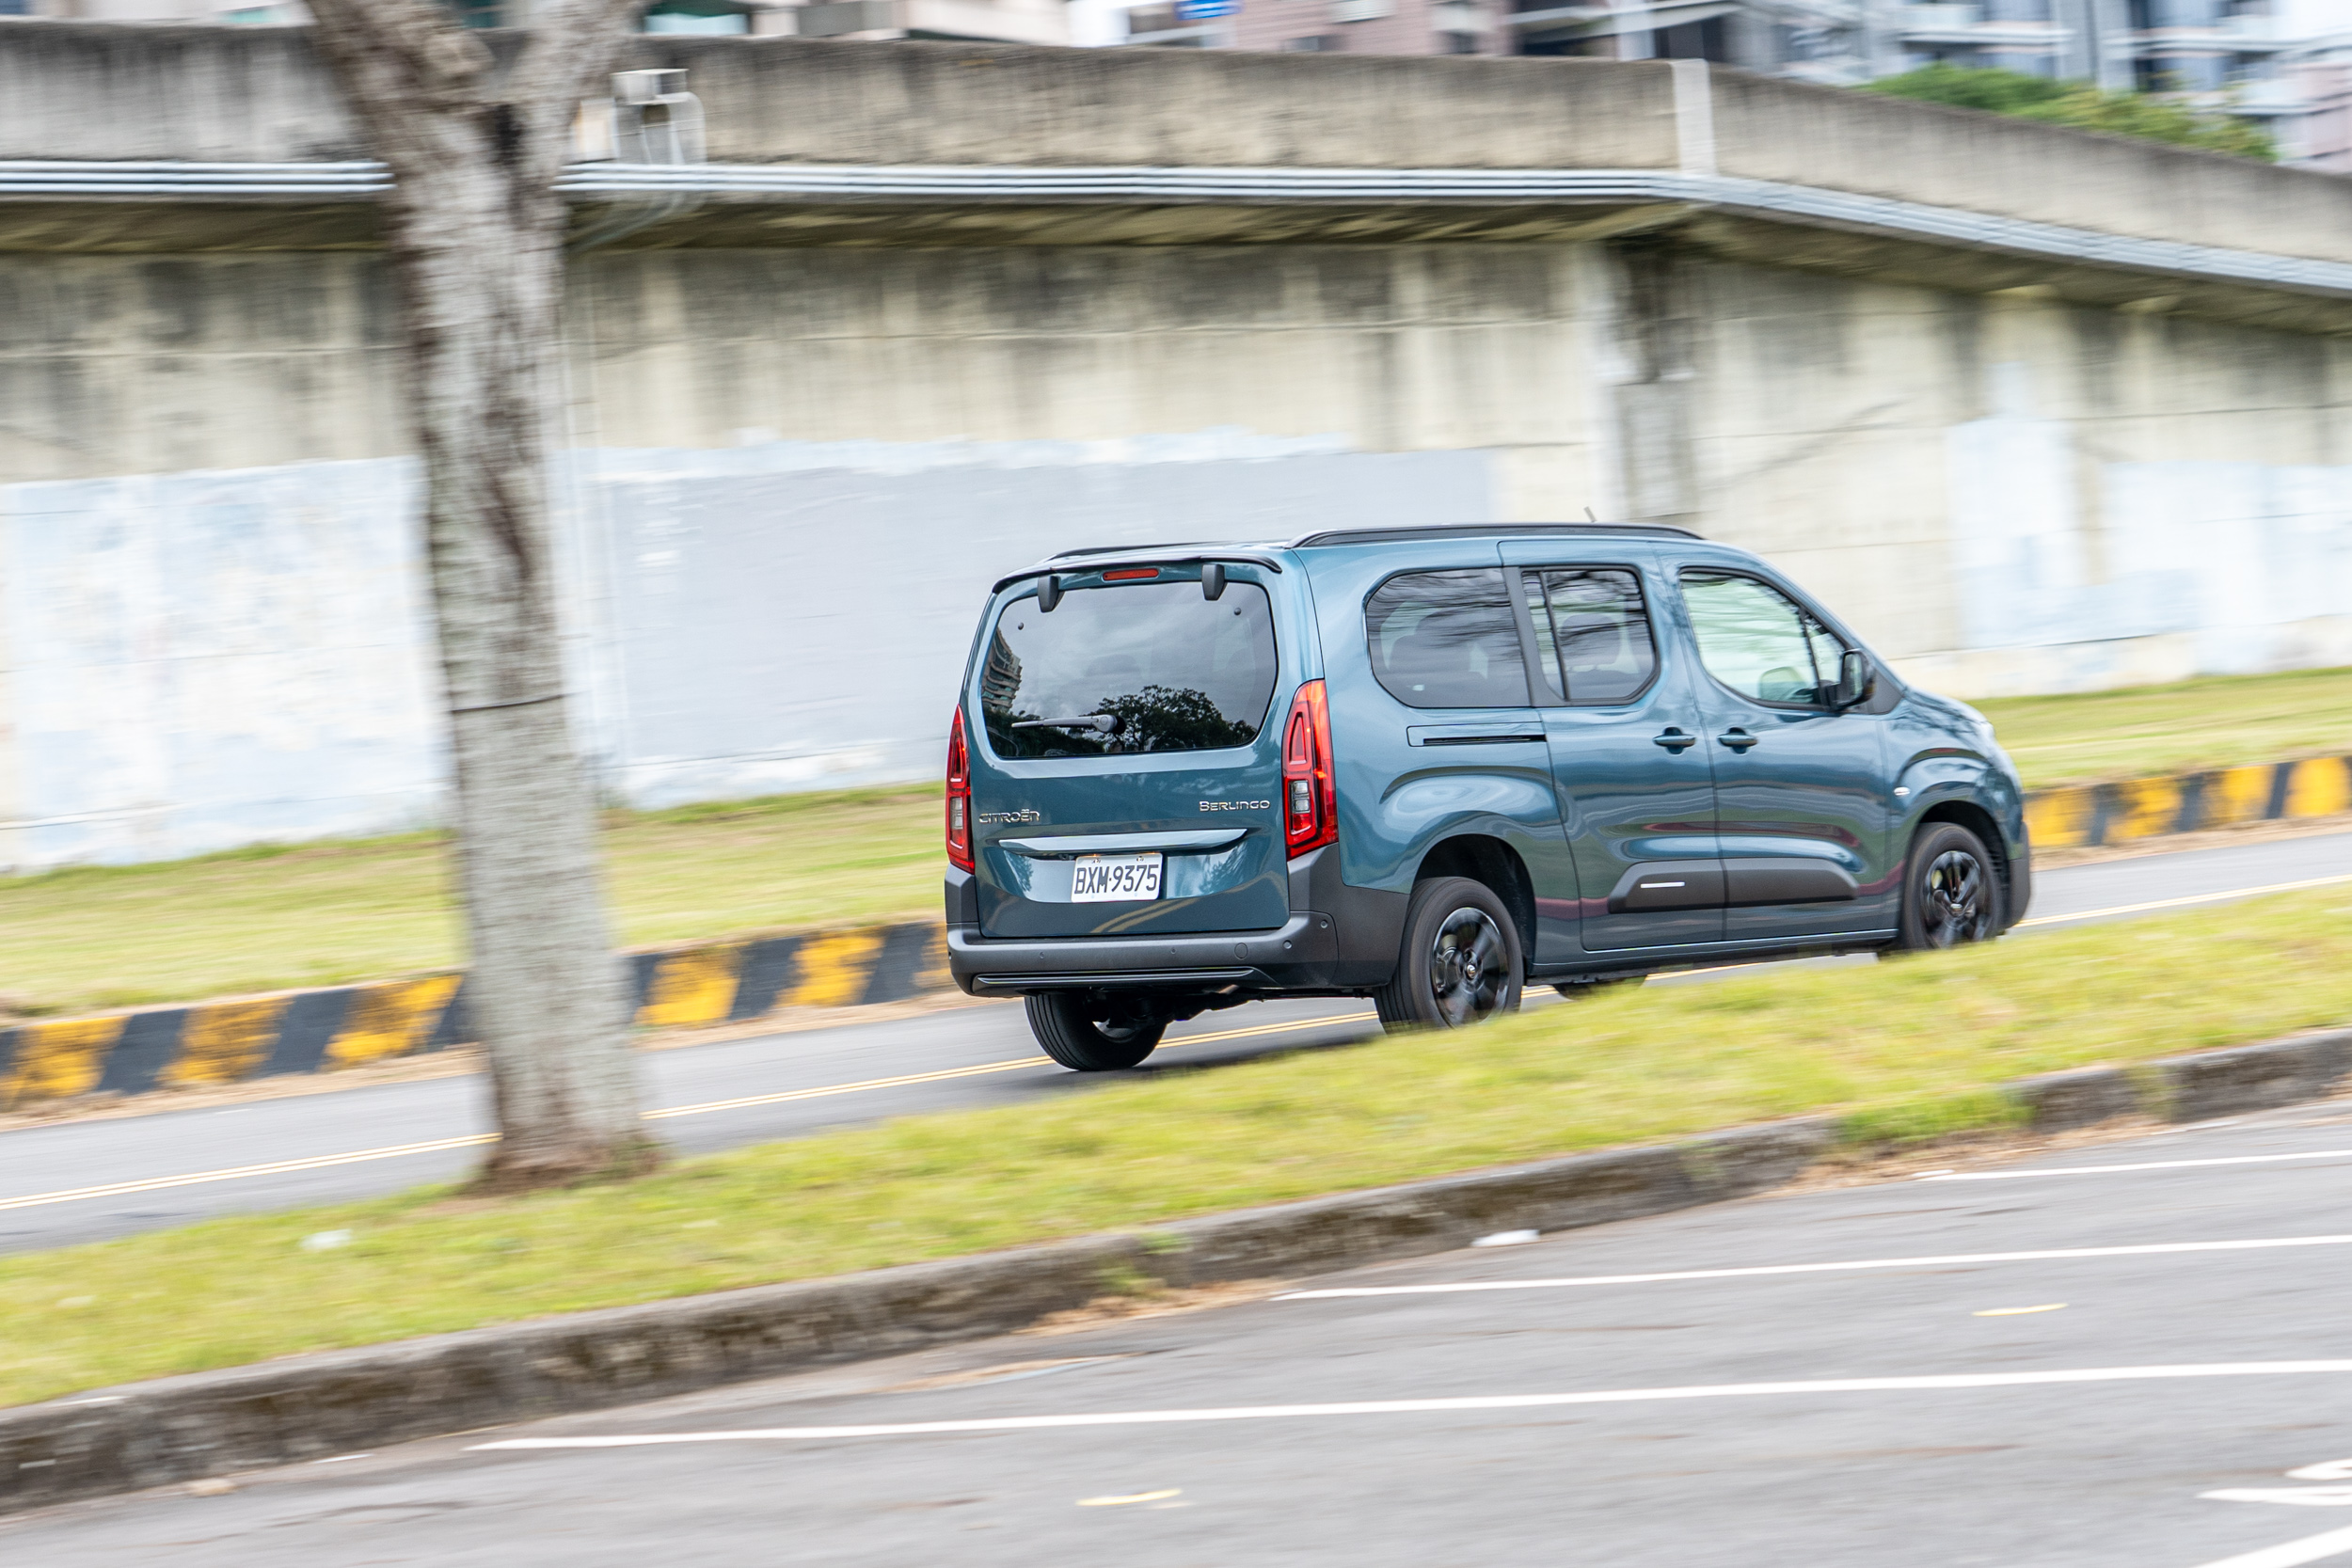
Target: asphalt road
<point>80,1182</point>
<point>2134,1354</point>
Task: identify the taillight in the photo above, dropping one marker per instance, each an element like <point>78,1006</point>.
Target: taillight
<point>1310,809</point>
<point>959,797</point>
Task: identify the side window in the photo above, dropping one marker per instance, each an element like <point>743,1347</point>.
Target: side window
<point>1592,632</point>
<point>1757,641</point>
<point>1446,639</point>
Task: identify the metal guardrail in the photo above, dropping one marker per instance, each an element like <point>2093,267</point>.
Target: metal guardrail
<point>946,184</point>
<point>22,178</point>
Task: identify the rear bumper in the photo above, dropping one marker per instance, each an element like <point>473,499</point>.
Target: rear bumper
<point>1301,955</point>
<point>1338,939</point>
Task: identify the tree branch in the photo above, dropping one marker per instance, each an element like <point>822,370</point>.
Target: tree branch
<point>392,56</point>
<point>574,44</point>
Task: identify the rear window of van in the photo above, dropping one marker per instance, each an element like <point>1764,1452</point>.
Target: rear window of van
<point>1447,639</point>
<point>1170,670</point>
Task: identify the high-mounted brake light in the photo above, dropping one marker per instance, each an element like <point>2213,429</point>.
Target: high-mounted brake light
<point>1131,574</point>
<point>959,797</point>
<point>1311,808</point>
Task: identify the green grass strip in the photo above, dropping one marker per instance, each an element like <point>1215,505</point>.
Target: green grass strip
<point>279,917</point>
<point>1905,1050</point>
<point>2185,728</point>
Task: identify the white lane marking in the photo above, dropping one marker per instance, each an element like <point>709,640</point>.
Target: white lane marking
<point>2149,1249</point>
<point>2294,1497</point>
<point>2020,1311</point>
<point>2143,1165</point>
<point>1441,1407</point>
<point>2177,903</point>
<point>283,1167</point>
<point>2312,1548</point>
<point>2334,1469</point>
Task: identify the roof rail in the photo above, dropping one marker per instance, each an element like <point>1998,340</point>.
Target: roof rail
<point>1459,530</point>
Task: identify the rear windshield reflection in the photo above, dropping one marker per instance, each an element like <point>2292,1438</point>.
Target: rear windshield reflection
<point>1127,668</point>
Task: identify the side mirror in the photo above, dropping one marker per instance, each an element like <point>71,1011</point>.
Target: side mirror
<point>1855,680</point>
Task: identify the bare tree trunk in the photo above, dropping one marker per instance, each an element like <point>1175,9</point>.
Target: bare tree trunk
<point>476,240</point>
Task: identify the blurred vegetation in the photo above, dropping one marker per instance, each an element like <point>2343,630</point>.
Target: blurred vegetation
<point>2150,115</point>
<point>1904,1052</point>
<point>277,916</point>
<point>2218,722</point>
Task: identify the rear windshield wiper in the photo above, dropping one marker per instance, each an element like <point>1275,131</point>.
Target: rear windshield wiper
<point>1103,724</point>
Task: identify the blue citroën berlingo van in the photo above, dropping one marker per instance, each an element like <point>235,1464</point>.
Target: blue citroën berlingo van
<point>1432,766</point>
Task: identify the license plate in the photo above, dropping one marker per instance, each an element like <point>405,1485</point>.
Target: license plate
<point>1114,879</point>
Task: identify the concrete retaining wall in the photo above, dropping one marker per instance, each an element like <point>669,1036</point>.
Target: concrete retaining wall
<point>2005,495</point>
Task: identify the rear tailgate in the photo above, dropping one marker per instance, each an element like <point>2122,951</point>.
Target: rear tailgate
<point>1128,748</point>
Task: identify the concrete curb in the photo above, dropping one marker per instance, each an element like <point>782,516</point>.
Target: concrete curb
<point>2081,816</point>
<point>319,1030</point>
<point>308,1407</point>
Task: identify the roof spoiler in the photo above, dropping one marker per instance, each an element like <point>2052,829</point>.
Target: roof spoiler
<point>1103,560</point>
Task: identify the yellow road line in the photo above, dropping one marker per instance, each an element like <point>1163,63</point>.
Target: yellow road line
<point>1271,1029</point>
<point>276,1167</point>
<point>2192,899</point>
<point>321,1161</point>
<point>784,1096</point>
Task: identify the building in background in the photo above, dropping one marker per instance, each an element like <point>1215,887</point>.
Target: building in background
<point>2285,64</point>
<point>2321,136</point>
<point>2265,60</point>
<point>992,21</point>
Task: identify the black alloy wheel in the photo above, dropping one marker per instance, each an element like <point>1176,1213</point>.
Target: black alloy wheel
<point>1467,967</point>
<point>1085,1035</point>
<point>1460,963</point>
<point>1951,892</point>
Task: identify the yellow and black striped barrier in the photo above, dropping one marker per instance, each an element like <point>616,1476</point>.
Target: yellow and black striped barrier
<point>2085,815</point>
<point>319,1030</point>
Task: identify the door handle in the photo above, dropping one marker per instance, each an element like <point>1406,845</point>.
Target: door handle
<point>1674,740</point>
<point>1737,738</point>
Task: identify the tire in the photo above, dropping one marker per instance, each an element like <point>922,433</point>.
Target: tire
<point>1460,962</point>
<point>1083,1034</point>
<point>1951,890</point>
